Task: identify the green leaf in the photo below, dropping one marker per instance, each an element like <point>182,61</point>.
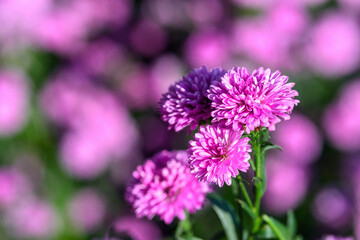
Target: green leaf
<point>278,228</point>
<point>269,145</point>
<point>291,224</point>
<point>247,209</point>
<point>226,214</point>
<point>265,233</point>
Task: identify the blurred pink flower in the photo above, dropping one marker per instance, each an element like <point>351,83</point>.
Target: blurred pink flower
<point>208,48</point>
<point>166,70</point>
<point>137,89</point>
<point>18,18</point>
<point>14,102</point>
<point>263,4</point>
<point>332,198</point>
<point>81,155</point>
<point>288,20</point>
<point>66,26</point>
<point>299,138</point>
<point>148,38</point>
<point>13,187</point>
<point>87,209</point>
<point>175,15</point>
<point>332,237</point>
<point>205,12</point>
<point>286,185</point>
<point>97,134</point>
<point>258,40</point>
<point>333,48</point>
<point>138,229</point>
<point>341,118</point>
<point>99,57</point>
<point>32,219</point>
<point>62,32</point>
<point>350,5</point>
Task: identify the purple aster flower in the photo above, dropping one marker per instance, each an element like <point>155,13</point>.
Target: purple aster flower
<point>218,154</point>
<point>186,103</point>
<point>164,186</point>
<point>244,100</point>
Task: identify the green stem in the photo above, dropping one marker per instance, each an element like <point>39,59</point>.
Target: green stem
<point>184,229</point>
<point>259,174</point>
<point>245,193</point>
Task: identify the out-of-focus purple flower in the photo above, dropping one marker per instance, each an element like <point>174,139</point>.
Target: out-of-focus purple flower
<point>97,134</point>
<point>343,116</point>
<point>164,186</point>
<point>138,229</point>
<point>87,209</point>
<point>268,39</point>
<point>333,48</point>
<point>288,19</point>
<point>13,102</point>
<point>299,139</point>
<point>18,30</point>
<point>244,100</point>
<point>99,57</point>
<point>255,3</point>
<point>13,186</point>
<point>81,156</point>
<point>205,12</point>
<point>332,237</point>
<point>350,5</point>
<point>218,154</point>
<point>332,198</point>
<point>286,185</point>
<point>66,26</point>
<point>175,15</point>
<point>61,32</point>
<point>266,4</point>
<point>207,47</point>
<point>32,219</point>
<point>186,104</point>
<point>137,88</point>
<point>166,70</point>
<point>148,38</point>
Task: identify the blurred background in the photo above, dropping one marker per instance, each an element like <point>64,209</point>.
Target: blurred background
<point>79,86</point>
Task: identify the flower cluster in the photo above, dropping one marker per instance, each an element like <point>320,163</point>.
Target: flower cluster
<point>223,106</point>
<point>164,186</point>
<point>235,101</point>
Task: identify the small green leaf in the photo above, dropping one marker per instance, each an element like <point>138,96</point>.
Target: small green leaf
<point>291,224</point>
<point>269,146</point>
<point>226,214</point>
<point>265,233</point>
<point>247,208</point>
<point>278,228</point>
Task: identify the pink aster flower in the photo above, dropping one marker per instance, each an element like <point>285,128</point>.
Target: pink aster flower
<point>244,100</point>
<point>218,154</point>
<point>164,186</point>
<point>186,104</point>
